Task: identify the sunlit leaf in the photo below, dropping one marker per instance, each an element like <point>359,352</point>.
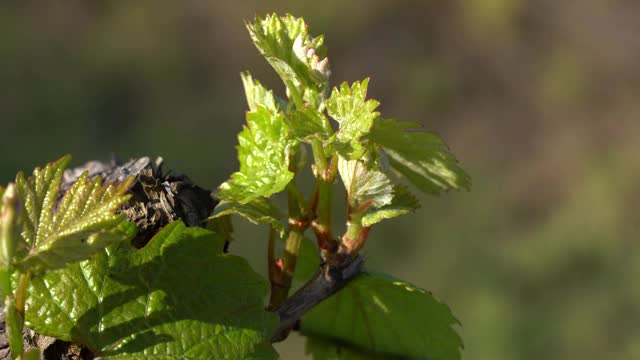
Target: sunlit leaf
<point>298,58</point>
<point>383,315</point>
<point>258,95</point>
<point>56,232</point>
<point>364,184</point>
<point>422,157</point>
<point>355,114</point>
<point>263,153</point>
<point>179,297</point>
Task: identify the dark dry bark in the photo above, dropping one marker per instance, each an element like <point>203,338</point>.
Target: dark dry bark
<point>157,198</point>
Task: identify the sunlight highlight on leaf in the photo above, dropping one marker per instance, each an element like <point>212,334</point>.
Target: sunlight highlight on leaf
<point>380,314</point>
<point>59,231</point>
<point>422,157</point>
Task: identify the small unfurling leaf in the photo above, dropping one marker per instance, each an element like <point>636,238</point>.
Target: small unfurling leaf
<point>355,114</point>
<point>403,203</point>
<point>371,193</point>
<point>364,185</point>
<point>298,58</point>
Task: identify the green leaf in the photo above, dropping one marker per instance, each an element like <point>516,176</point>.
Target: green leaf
<point>178,297</point>
<point>258,95</point>
<point>371,194</point>
<point>349,107</point>
<point>82,223</point>
<point>258,211</point>
<point>298,58</point>
<point>324,349</point>
<point>403,203</point>
<point>420,156</point>
<point>364,185</point>
<point>263,152</point>
<point>385,315</point>
<point>307,124</point>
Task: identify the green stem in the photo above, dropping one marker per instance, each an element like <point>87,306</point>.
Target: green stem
<point>14,314</point>
<point>5,283</point>
<point>21,291</point>
<point>275,271</point>
<point>14,322</point>
<point>9,206</point>
<point>318,157</point>
<point>354,238</point>
<point>13,303</point>
<point>323,200</point>
<point>291,250</point>
<point>295,95</point>
<point>322,223</point>
<point>298,223</point>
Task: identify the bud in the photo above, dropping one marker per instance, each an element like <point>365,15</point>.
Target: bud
<point>9,208</point>
<point>299,48</point>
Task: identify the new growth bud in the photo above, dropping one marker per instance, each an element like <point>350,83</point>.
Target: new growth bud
<point>9,210</point>
<point>305,51</point>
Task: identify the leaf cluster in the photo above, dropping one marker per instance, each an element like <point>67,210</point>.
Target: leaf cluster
<point>346,125</point>
<point>67,269</point>
<point>376,159</point>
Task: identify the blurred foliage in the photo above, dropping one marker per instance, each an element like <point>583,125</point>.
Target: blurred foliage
<point>537,98</point>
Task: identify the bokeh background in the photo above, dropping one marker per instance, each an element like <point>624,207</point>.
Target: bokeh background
<point>540,101</point>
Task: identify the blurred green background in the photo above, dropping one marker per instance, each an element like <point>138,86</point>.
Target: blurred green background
<point>538,99</point>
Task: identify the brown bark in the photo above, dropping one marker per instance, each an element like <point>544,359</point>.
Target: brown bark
<point>330,278</point>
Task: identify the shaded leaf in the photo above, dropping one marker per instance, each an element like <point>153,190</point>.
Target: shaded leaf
<point>178,297</point>
<point>349,107</point>
<point>324,349</point>
<point>422,157</point>
<point>263,153</point>
<point>258,211</point>
<point>307,124</point>
<point>81,224</point>
<point>385,315</point>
